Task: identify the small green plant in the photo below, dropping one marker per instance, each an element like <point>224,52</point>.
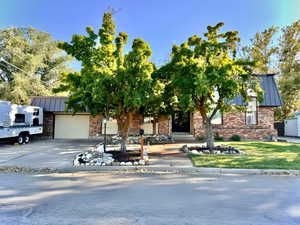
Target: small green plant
<point>235,137</point>
<point>218,137</point>
<point>200,138</point>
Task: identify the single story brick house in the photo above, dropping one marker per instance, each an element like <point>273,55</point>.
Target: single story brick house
<point>256,123</point>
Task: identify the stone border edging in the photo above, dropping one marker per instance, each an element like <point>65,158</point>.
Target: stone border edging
<point>202,170</point>
<point>149,169</point>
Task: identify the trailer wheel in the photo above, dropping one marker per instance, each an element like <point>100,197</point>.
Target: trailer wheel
<point>20,139</point>
<point>26,138</point>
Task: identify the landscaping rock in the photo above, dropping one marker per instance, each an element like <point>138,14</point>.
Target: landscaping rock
<point>202,149</point>
<point>148,139</point>
<point>142,162</point>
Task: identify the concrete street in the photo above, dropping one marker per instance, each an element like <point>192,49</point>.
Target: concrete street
<point>142,199</point>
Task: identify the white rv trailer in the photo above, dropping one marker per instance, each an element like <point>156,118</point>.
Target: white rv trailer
<point>20,122</point>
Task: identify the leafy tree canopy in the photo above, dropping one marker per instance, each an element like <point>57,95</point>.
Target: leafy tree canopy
<point>39,60</point>
<point>205,74</point>
<point>110,82</point>
<point>263,51</point>
<point>289,65</point>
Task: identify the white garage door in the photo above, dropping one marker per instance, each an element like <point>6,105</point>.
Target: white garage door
<point>71,127</point>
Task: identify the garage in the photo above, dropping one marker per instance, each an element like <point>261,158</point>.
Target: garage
<point>71,127</point>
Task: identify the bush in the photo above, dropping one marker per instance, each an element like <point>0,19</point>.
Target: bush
<point>200,138</point>
<point>235,138</point>
<point>218,137</point>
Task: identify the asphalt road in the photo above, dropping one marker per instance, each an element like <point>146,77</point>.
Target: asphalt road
<point>125,198</point>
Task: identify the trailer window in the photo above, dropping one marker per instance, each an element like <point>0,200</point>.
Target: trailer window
<point>20,118</point>
<point>36,112</point>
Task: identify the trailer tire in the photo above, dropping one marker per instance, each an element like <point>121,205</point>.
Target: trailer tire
<point>26,138</point>
<point>20,139</point>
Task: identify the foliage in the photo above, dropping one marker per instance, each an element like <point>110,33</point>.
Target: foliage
<point>111,83</point>
<point>218,137</point>
<point>40,61</point>
<point>283,59</point>
<point>289,81</point>
<point>205,74</point>
<point>259,155</point>
<point>200,138</point>
<point>235,137</point>
<point>262,51</point>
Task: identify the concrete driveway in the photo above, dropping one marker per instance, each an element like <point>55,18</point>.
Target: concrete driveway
<point>54,154</point>
<point>59,154</point>
<point>148,199</point>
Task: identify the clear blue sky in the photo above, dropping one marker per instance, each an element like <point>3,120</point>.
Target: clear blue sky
<point>159,22</point>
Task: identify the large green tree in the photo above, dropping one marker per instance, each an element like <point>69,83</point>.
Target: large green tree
<point>263,51</point>
<point>205,75</point>
<point>30,64</point>
<point>289,65</point>
<point>110,82</point>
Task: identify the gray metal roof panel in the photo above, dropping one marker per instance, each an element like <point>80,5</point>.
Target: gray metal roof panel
<point>271,95</point>
<point>50,104</point>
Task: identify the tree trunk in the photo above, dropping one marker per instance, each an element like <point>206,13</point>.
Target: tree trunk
<point>154,126</point>
<point>124,121</point>
<point>209,135</point>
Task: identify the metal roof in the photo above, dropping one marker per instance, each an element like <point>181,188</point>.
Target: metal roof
<point>267,82</point>
<point>50,104</point>
<point>271,94</point>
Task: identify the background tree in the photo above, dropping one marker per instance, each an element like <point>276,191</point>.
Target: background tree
<point>37,55</point>
<point>263,51</point>
<point>205,75</point>
<point>110,82</point>
<point>289,65</point>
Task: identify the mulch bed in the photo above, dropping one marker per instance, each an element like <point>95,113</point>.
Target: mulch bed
<point>128,156</point>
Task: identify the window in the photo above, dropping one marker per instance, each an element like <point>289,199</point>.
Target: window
<point>36,112</point>
<point>217,118</point>
<point>251,113</point>
<point>20,118</point>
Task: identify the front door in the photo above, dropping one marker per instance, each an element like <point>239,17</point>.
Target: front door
<point>181,122</point>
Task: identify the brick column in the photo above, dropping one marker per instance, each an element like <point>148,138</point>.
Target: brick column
<point>164,125</point>
<point>48,124</point>
<point>95,125</point>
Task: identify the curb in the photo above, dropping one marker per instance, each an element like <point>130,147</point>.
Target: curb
<point>150,169</point>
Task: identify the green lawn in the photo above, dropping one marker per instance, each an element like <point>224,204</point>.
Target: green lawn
<point>259,155</point>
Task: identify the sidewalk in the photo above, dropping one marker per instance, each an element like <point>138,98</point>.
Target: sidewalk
<point>289,139</point>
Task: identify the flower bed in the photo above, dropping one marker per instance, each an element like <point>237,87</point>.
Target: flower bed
<point>98,157</point>
<point>148,139</point>
<point>219,149</point>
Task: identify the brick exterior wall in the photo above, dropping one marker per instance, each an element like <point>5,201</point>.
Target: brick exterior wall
<point>136,123</point>
<point>164,126</point>
<point>48,124</point>
<point>95,125</point>
<point>235,123</point>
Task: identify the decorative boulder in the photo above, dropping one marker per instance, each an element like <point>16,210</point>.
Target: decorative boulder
<point>100,148</point>
<point>142,162</point>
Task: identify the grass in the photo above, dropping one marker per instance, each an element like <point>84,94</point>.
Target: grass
<point>259,155</point>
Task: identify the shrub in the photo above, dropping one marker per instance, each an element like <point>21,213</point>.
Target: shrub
<point>200,138</point>
<point>235,137</point>
<point>218,137</point>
